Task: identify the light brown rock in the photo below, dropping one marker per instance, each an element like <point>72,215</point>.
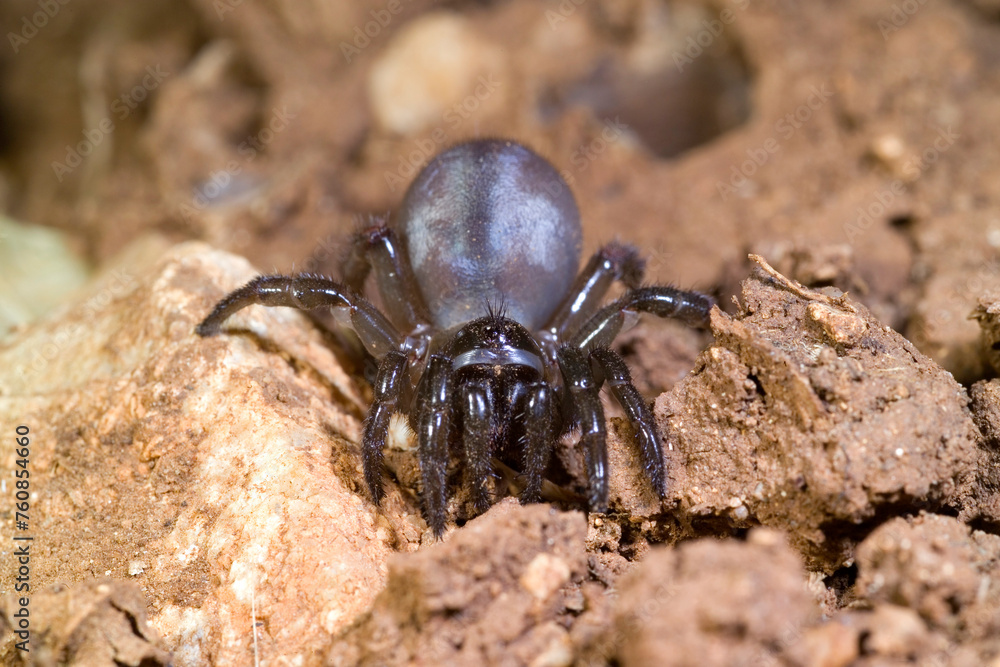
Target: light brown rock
<point>225,465</point>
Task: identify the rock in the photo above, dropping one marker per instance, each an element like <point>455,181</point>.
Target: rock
<point>987,313</point>
<point>984,496</point>
<point>96,623</point>
<point>810,413</point>
<point>832,644</point>
<point>896,632</point>
<point>940,569</point>
<point>227,466</point>
<point>465,601</point>
<point>38,271</point>
<point>710,602</point>
<point>436,71</point>
<point>958,255</point>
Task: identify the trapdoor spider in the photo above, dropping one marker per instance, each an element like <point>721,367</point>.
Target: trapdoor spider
<point>487,342</point>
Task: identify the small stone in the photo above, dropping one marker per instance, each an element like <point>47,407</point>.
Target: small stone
<point>888,148</point>
<point>895,631</point>
<point>545,575</point>
<point>840,327</point>
<point>436,70</point>
<point>899,392</point>
<point>765,537</point>
<point>831,645</point>
<point>558,652</point>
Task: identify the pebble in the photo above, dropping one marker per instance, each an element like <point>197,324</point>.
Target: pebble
<point>435,74</point>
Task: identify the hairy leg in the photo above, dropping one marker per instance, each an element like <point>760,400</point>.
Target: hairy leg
<point>389,383</point>
<point>377,247</point>
<point>307,292</point>
<point>431,419</point>
<point>619,380</point>
<point>614,261</point>
<point>600,330</point>
<point>588,414</point>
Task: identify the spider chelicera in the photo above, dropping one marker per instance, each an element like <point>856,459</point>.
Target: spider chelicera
<point>487,342</point>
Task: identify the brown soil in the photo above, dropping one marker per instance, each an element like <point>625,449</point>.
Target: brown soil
<point>832,442</point>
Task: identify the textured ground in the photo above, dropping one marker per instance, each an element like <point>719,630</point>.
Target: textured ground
<point>834,497</point>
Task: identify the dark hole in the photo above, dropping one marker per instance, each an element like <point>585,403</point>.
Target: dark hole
<point>842,581</point>
<point>697,88</point>
<point>987,9</point>
<point>986,525</point>
<point>902,221</point>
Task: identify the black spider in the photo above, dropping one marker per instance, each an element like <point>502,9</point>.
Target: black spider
<point>476,278</point>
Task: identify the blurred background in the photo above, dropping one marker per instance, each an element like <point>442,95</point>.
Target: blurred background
<point>853,143</point>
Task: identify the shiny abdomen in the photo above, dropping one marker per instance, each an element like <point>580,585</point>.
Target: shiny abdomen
<point>489,222</point>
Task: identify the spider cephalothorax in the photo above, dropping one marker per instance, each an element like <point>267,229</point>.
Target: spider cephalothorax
<point>488,222</point>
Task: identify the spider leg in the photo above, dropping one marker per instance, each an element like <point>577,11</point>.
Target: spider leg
<point>589,416</point>
<point>537,419</point>
<point>431,419</point>
<point>479,437</point>
<point>614,261</point>
<point>600,330</point>
<point>619,380</point>
<point>378,247</point>
<point>389,383</point>
<point>307,292</point>
<point>582,390</point>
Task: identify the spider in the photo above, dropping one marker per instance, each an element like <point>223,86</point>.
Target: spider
<point>486,341</point>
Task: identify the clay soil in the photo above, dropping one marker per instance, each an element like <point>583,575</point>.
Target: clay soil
<point>828,171</point>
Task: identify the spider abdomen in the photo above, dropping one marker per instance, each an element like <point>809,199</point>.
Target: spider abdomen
<point>489,221</point>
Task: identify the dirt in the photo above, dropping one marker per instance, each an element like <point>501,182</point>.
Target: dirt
<point>832,441</point>
<point>99,622</point>
<point>841,421</point>
<point>476,600</point>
